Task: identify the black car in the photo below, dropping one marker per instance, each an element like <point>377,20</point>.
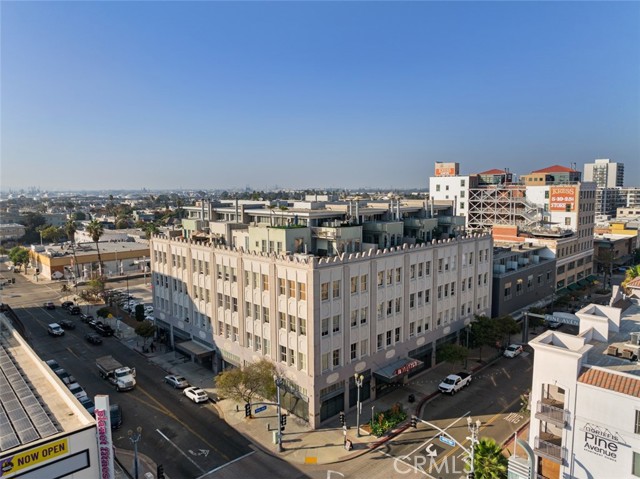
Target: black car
<point>94,323</point>
<point>67,304</point>
<point>115,411</point>
<point>67,324</point>
<point>85,318</point>
<point>74,310</point>
<point>93,338</point>
<point>49,305</point>
<point>104,330</point>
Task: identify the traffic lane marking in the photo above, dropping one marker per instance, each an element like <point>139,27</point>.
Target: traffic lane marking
<point>438,433</point>
<point>181,451</point>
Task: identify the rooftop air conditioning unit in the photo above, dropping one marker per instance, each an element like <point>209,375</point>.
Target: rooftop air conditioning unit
<point>635,339</point>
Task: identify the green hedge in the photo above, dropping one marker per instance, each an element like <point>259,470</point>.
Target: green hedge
<point>387,420</point>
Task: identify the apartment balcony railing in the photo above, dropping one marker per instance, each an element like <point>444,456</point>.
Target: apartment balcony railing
<point>550,450</point>
<point>553,413</point>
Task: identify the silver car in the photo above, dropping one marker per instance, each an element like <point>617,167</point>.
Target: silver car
<point>178,382</point>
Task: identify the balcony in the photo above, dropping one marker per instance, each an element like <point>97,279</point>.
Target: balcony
<point>552,411</point>
<point>550,447</point>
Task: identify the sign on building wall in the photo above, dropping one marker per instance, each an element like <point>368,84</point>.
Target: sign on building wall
<point>601,442</point>
<point>105,444</point>
<point>562,198</point>
<point>33,457</point>
<point>446,169</point>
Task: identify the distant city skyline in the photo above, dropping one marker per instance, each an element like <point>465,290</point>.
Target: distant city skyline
<point>221,95</point>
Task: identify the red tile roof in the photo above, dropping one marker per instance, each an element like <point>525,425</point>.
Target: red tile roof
<point>610,380</point>
<point>555,169</point>
<point>495,171</point>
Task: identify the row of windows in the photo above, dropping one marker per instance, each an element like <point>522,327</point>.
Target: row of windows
<point>292,289</point>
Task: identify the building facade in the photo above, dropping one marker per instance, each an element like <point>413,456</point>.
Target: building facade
<point>585,397</point>
<point>379,312</point>
<point>605,173</point>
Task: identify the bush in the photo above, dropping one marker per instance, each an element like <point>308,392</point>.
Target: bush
<point>387,420</point>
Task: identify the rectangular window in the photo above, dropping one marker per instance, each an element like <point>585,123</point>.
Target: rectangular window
<point>281,286</point>
<point>412,301</point>
<point>398,302</point>
<point>440,265</point>
<point>354,351</point>
<point>397,338</point>
<point>364,314</point>
<point>380,278</point>
<point>354,284</point>
<point>292,323</point>
<point>234,304</point>
<point>439,292</point>
<point>325,326</point>
<point>336,289</point>
<point>364,279</point>
<point>427,296</point>
<point>336,358</point>
<point>302,288</point>
<point>364,347</point>
<point>324,291</point>
<point>420,270</point>
<point>398,274</point>
<point>265,314</point>
<point>336,323</point>
<point>635,466</point>
<point>453,289</point>
<point>354,318</point>
<point>412,271</point>
<point>265,282</point>
<point>636,428</point>
<point>283,354</point>
<point>389,276</point>
<point>420,299</point>
<point>380,310</point>
<point>303,325</point>
<point>325,362</point>
<point>292,289</point>
<point>302,361</point>
<point>412,329</point>
<point>389,307</point>
<point>283,320</point>
<point>380,343</point>
<point>256,311</point>
<point>250,340</point>
<point>258,343</point>
<point>427,268</point>
<point>388,338</point>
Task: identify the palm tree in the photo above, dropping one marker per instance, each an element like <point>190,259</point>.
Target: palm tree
<point>70,230</point>
<point>632,273</point>
<point>488,460</point>
<point>96,230</point>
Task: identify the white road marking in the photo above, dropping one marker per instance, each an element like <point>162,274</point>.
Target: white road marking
<point>431,439</point>
<point>180,450</point>
<point>225,465</point>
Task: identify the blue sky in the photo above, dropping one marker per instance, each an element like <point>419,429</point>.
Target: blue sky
<point>110,95</point>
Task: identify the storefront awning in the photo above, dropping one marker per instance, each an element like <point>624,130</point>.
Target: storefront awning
<point>197,349</point>
<point>591,278</point>
<point>397,370</point>
<point>583,282</point>
<point>573,287</point>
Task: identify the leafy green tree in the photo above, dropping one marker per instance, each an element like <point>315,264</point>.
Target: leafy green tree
<point>605,260</point>
<point>96,287</point>
<point>484,332</point>
<point>139,312</point>
<point>146,329</point>
<point>243,384</point>
<point>535,322</point>
<point>79,216</point>
<point>96,230</point>
<point>32,221</point>
<point>507,326</point>
<point>488,460</point>
<point>51,233</point>
<point>19,256</point>
<point>103,312</point>
<point>452,353</point>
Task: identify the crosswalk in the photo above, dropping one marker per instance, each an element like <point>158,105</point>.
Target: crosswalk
<point>513,417</point>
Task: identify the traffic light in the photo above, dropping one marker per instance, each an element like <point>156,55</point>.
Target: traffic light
<point>283,421</point>
<point>414,421</point>
<point>342,418</point>
<point>160,471</point>
<point>247,410</point>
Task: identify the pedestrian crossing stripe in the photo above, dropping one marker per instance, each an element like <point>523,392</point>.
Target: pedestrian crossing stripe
<point>513,417</point>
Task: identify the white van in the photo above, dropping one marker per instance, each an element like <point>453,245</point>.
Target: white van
<point>54,329</point>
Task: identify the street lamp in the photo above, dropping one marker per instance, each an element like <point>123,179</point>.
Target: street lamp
<point>134,437</point>
<point>474,427</point>
<point>279,383</point>
<point>358,379</point>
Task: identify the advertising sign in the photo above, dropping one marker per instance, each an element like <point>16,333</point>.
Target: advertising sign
<point>105,444</point>
<point>602,441</point>
<point>562,198</point>
<point>446,169</point>
<point>32,457</point>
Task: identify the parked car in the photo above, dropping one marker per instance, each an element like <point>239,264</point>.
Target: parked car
<point>104,330</point>
<point>197,395</point>
<point>75,310</point>
<point>54,329</point>
<point>93,338</point>
<point>85,318</point>
<point>115,411</point>
<point>455,382</point>
<point>178,382</point>
<point>53,364</point>
<point>66,304</point>
<point>57,275</point>
<point>49,305</point>
<point>512,351</point>
<point>77,390</point>
<point>88,404</point>
<point>64,376</point>
<point>93,323</point>
<point>67,324</point>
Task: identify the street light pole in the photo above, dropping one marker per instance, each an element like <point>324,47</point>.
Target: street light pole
<point>358,378</point>
<point>474,427</point>
<point>279,433</point>
<point>134,437</point>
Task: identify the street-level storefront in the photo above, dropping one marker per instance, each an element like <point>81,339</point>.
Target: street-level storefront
<point>394,375</point>
<point>331,400</point>
<point>201,354</point>
<point>423,353</point>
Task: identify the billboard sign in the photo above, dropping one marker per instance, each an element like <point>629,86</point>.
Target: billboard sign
<point>33,457</point>
<point>562,198</point>
<point>105,444</point>
<point>446,169</point>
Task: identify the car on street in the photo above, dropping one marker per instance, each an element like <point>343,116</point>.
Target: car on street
<point>54,329</point>
<point>67,324</point>
<point>178,382</point>
<point>66,304</point>
<point>64,376</point>
<point>49,305</point>
<point>88,404</point>
<point>77,390</point>
<point>115,412</point>
<point>93,338</point>
<point>93,323</point>
<point>104,330</point>
<point>57,275</point>
<point>512,351</point>
<point>53,364</point>
<point>75,310</point>
<point>85,318</point>
<point>455,382</point>
<point>197,395</point>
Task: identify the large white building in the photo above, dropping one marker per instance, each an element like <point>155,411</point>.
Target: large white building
<point>605,173</point>
<point>585,397</point>
<point>356,307</point>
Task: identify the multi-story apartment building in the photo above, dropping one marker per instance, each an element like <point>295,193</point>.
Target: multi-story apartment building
<point>604,173</point>
<point>323,301</point>
<point>585,397</point>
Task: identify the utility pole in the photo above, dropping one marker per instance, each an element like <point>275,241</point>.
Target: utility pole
<point>474,427</point>
<point>279,434</point>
